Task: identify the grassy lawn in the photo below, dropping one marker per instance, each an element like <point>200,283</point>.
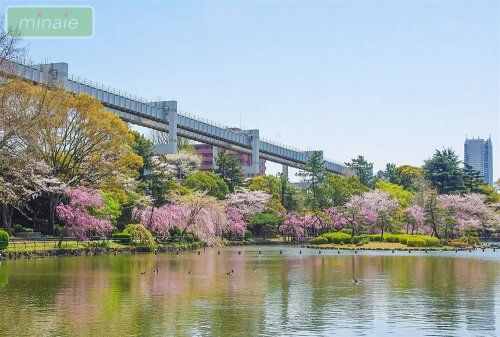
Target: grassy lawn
<point>30,246</point>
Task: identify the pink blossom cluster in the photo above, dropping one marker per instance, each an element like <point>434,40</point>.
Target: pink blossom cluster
<point>337,217</point>
<point>238,224</point>
<point>293,226</point>
<point>205,223</point>
<point>469,210</point>
<point>248,202</point>
<point>76,216</point>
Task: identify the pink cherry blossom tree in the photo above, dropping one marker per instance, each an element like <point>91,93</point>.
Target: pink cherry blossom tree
<point>248,202</point>
<point>338,218</point>
<point>76,215</point>
<point>415,215</point>
<point>237,223</point>
<point>293,227</point>
<point>468,212</point>
<point>373,209</point>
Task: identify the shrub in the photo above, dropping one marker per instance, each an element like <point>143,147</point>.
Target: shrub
<point>360,239</point>
<point>391,238</point>
<point>346,230</point>
<point>248,234</point>
<point>376,238</point>
<point>320,240</point>
<point>4,239</point>
<point>415,242</point>
<point>403,238</point>
<point>430,241</point>
<point>141,236</point>
<point>356,239</point>
<point>337,237</point>
<point>121,237</point>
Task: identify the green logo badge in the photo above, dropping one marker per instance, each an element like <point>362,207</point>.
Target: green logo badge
<point>50,21</point>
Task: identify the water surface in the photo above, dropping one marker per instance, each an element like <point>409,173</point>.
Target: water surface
<point>268,294</point>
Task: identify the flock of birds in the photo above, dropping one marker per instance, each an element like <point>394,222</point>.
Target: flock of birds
<point>155,271</point>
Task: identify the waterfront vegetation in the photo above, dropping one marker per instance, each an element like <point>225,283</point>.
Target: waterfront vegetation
<point>71,170</point>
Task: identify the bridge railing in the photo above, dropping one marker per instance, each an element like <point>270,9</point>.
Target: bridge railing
<point>100,86</point>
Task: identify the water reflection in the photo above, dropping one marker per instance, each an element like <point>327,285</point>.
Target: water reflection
<point>267,295</point>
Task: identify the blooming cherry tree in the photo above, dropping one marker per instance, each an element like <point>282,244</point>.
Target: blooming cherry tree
<point>248,202</point>
<point>293,226</point>
<point>76,215</point>
<point>469,211</point>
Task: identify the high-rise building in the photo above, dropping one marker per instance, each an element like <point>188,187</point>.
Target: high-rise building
<point>478,153</point>
<point>209,152</point>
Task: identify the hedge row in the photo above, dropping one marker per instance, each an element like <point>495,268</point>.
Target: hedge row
<point>409,240</point>
<point>4,239</point>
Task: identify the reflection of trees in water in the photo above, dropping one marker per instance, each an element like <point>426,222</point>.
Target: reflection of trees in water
<point>448,293</point>
<point>89,295</point>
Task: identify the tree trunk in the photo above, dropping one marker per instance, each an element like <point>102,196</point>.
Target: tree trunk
<point>7,212</point>
<point>53,202</point>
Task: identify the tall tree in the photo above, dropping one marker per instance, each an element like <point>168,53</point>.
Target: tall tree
<point>229,169</point>
<point>472,179</point>
<point>313,176</point>
<point>144,148</point>
<point>389,172</point>
<point>444,172</point>
<point>363,169</point>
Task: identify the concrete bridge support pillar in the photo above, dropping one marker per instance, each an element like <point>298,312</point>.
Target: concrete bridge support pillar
<point>214,156</point>
<point>284,170</point>
<point>255,142</point>
<point>170,114</point>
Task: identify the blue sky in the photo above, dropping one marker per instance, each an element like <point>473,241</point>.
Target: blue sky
<point>392,81</point>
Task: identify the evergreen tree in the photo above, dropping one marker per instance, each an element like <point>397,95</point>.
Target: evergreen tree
<point>229,169</point>
<point>472,179</point>
<point>444,172</point>
<point>363,170</point>
<point>313,175</point>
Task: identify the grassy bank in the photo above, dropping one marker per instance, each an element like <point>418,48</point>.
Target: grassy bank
<point>29,249</point>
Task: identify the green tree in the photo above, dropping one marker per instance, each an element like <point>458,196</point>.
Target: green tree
<point>144,148</point>
<point>313,176</point>
<point>229,169</point>
<point>472,179</point>
<point>406,176</point>
<point>338,189</point>
<point>389,172</point>
<point>207,182</point>
<point>363,170</point>
<point>444,172</point>
<point>265,224</point>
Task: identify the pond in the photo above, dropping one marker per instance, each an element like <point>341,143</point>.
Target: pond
<point>267,294</point>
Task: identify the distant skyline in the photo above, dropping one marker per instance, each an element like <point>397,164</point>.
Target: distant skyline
<point>392,81</point>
